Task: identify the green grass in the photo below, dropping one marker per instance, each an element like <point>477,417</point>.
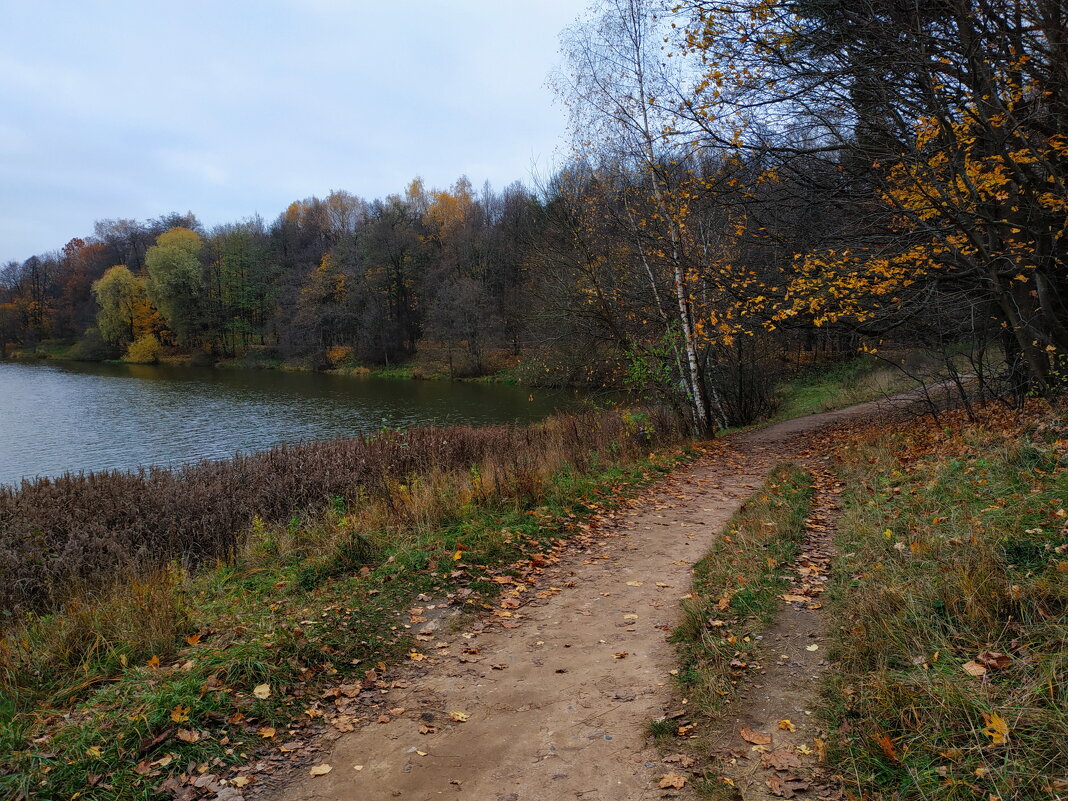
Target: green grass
<point>736,588</point>
<point>952,544</point>
<point>306,605</point>
<point>836,386</point>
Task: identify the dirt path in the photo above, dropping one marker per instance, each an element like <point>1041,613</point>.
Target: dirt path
<point>551,701</point>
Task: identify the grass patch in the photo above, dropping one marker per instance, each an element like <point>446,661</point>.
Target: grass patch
<point>112,694</point>
<point>836,386</point>
<point>736,588</point>
<point>952,563</point>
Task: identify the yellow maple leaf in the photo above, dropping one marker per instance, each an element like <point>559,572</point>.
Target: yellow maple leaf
<point>996,728</point>
<point>180,714</point>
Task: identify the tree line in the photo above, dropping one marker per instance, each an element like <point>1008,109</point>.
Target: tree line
<point>371,278</point>
<point>748,179</point>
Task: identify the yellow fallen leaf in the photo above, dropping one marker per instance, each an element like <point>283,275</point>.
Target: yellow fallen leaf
<point>635,583</point>
<point>996,728</point>
<point>262,691</point>
<point>812,647</point>
<point>266,732</point>
<point>93,752</point>
<point>415,656</point>
<point>459,717</point>
<point>152,663</point>
<point>180,714</point>
<point>320,770</point>
<point>973,669</point>
<point>786,725</point>
<point>357,767</point>
<point>241,781</point>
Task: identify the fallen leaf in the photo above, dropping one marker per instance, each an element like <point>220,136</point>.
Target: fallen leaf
<point>180,714</point>
<point>786,725</point>
<point>459,717</point>
<point>996,728</point>
<point>682,760</point>
<point>786,787</point>
<point>193,639</point>
<point>266,732</point>
<point>812,647</point>
<point>755,737</point>
<point>357,767</point>
<point>241,781</point>
<point>672,781</point>
<point>153,663</point>
<point>320,770</point>
<point>621,655</point>
<point>262,691</point>
<point>973,669</point>
<point>888,746</point>
<point>780,760</point>
<point>188,735</point>
<point>415,656</point>
<point>93,752</point>
<point>635,583</point>
<point>994,659</point>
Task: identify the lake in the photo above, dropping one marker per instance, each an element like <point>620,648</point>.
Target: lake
<point>75,416</point>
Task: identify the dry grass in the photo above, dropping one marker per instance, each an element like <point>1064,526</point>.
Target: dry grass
<point>75,536</point>
<point>84,686</point>
<point>953,546</point>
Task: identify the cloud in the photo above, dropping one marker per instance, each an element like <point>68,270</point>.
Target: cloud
<point>130,109</point>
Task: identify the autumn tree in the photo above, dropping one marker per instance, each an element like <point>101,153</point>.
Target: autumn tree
<point>175,282</point>
<point>945,124</point>
<point>124,312</point>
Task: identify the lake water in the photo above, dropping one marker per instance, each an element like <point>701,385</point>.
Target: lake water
<point>75,416</point>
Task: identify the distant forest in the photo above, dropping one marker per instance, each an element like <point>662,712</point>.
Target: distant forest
<point>330,278</point>
<point>751,186</point>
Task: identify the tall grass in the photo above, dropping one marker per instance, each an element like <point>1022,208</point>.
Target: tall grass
<point>953,548</point>
<point>69,537</point>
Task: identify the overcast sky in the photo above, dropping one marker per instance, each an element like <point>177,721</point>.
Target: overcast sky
<point>134,108</point>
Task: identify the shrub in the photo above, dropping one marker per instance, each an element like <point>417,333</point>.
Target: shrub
<point>143,350</point>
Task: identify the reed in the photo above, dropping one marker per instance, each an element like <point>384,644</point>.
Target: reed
<point>77,535</point>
